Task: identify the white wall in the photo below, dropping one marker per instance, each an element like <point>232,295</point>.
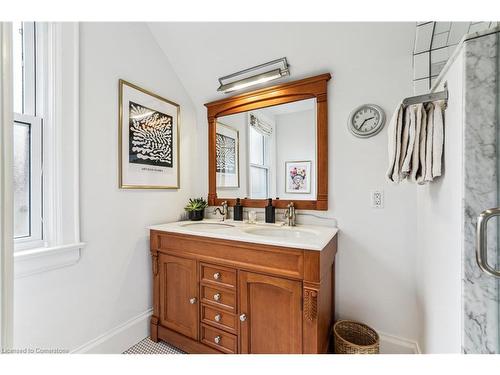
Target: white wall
<point>370,63</point>
<point>439,264</point>
<point>69,307</point>
<point>295,140</point>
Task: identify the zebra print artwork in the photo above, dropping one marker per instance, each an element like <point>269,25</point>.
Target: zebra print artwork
<point>150,136</point>
<point>225,151</point>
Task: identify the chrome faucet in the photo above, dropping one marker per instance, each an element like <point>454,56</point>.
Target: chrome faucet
<point>224,212</point>
<point>290,215</point>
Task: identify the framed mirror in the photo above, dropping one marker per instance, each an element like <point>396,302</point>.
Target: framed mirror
<point>271,143</point>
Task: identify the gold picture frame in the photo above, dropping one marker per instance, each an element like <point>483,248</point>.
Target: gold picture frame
<point>122,85</point>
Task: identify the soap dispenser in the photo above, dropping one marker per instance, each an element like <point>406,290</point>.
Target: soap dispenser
<point>238,211</point>
<point>270,217</point>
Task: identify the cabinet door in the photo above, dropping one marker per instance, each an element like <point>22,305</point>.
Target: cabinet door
<point>179,295</point>
<point>270,314</point>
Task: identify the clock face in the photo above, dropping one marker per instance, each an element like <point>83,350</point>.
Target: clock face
<point>366,121</point>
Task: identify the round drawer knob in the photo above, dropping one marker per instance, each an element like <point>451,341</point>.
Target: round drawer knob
<point>217,339</point>
<point>217,318</point>
<point>192,301</point>
<point>243,317</point>
<point>217,275</point>
<point>217,296</point>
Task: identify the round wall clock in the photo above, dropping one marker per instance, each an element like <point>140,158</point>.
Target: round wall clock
<point>366,120</point>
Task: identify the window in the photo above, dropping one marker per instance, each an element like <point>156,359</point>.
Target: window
<point>28,195</point>
<point>259,163</point>
<point>46,146</point>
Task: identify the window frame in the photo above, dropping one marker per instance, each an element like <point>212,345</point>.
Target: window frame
<point>35,237</point>
<point>29,68</point>
<point>30,75</point>
<point>57,72</point>
<point>264,166</point>
<point>30,116</point>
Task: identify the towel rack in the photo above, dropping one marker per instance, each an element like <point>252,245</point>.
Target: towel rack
<point>433,96</point>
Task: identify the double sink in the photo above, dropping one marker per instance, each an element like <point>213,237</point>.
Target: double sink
<point>311,237</point>
<point>259,230</point>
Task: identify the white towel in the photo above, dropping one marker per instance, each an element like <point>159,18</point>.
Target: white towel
<point>420,172</point>
<point>405,138</point>
<point>394,144</point>
<point>437,139</point>
<point>428,143</point>
<point>408,151</point>
<point>416,137</point>
<point>415,157</point>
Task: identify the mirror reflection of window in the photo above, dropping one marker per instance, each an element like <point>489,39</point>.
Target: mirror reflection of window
<point>257,147</point>
<point>259,163</point>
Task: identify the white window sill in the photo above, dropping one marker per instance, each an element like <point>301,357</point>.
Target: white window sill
<point>34,261</point>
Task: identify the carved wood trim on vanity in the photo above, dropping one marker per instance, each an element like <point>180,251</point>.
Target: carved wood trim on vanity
<point>310,304</point>
<point>234,276</point>
<point>308,88</point>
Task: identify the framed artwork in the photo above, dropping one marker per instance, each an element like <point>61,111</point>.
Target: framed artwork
<point>298,177</point>
<point>148,138</point>
<point>227,151</point>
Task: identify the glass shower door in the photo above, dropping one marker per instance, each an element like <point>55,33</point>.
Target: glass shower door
<point>488,257</point>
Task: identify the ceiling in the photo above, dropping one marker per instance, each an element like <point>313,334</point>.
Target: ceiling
<point>201,52</point>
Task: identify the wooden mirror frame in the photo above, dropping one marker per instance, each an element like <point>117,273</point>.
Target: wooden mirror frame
<point>308,88</point>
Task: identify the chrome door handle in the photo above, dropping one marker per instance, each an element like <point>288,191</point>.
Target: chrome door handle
<point>193,300</point>
<point>482,241</point>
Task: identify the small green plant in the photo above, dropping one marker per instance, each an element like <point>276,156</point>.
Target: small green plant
<point>196,204</point>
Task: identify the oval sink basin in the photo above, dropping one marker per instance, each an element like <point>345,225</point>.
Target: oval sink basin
<point>202,225</point>
<point>285,233</point>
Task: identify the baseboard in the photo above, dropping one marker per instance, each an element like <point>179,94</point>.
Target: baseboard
<point>120,338</point>
<point>124,336</point>
<point>390,344</point>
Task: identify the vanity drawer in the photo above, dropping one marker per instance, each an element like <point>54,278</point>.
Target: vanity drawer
<point>218,275</point>
<point>218,339</point>
<point>218,297</point>
<point>219,318</point>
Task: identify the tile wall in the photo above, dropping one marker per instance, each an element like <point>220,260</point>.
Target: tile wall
<point>434,44</point>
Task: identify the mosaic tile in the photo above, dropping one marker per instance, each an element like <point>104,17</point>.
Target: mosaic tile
<point>148,346</point>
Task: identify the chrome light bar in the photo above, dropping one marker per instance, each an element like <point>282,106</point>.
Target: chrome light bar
<point>245,78</point>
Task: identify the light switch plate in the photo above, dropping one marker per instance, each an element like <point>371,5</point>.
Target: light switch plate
<point>377,198</point>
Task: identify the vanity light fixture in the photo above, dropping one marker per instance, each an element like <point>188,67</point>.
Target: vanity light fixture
<point>255,75</point>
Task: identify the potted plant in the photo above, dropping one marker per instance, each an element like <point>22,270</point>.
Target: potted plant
<point>196,208</point>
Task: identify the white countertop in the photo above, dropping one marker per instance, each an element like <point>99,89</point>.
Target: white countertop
<point>309,237</point>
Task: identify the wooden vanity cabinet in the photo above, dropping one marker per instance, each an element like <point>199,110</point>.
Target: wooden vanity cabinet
<point>219,296</point>
<point>178,294</point>
<point>273,314</point>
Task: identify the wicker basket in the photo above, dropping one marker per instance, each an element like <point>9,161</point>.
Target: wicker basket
<point>355,338</point>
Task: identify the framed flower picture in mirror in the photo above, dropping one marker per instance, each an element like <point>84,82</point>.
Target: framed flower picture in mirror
<point>148,139</point>
<point>298,177</point>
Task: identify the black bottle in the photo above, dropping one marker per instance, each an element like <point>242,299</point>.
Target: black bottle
<point>270,211</point>
<point>238,211</point>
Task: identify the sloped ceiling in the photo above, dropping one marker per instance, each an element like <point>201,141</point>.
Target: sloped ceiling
<point>202,52</point>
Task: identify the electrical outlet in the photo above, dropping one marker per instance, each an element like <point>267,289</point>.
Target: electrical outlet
<point>377,197</point>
